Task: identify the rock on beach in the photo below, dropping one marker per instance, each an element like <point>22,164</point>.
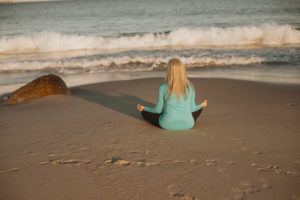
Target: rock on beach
<point>40,87</point>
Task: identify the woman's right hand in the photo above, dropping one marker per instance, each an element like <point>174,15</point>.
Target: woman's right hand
<point>204,103</point>
<point>140,107</point>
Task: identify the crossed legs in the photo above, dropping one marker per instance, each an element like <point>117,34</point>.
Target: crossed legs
<point>153,118</point>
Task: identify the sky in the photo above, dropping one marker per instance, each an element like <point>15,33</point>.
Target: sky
<point>19,1</point>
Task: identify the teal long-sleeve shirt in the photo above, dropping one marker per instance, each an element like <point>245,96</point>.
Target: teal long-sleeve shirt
<point>175,114</point>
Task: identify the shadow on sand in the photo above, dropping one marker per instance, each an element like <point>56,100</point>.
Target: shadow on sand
<point>124,103</point>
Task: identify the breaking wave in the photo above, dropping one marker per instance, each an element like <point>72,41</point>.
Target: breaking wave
<point>272,35</point>
<point>123,63</point>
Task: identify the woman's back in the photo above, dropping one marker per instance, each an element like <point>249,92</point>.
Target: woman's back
<point>175,108</point>
<point>175,113</point>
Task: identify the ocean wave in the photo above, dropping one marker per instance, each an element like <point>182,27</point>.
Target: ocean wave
<point>124,63</point>
<point>273,35</point>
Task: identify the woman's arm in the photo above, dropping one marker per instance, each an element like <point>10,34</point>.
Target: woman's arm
<point>194,106</point>
<point>160,101</point>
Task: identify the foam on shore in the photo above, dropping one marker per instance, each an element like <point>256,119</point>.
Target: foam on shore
<point>120,64</point>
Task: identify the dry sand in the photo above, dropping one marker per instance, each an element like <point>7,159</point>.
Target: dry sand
<point>95,145</point>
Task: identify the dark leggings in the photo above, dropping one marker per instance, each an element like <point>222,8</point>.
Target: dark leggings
<point>153,118</point>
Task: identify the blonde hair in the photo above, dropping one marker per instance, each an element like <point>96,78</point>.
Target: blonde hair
<point>178,83</point>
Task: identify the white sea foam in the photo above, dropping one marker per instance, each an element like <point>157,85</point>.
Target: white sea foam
<point>123,63</point>
<point>235,36</point>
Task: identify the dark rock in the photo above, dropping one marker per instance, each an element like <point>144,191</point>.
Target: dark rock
<point>40,87</point>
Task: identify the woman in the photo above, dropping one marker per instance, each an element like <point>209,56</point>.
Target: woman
<point>175,108</point>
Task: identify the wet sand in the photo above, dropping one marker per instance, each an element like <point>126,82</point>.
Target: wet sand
<point>94,144</point>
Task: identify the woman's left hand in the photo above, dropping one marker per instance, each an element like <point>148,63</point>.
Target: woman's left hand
<point>140,107</point>
<point>204,103</point>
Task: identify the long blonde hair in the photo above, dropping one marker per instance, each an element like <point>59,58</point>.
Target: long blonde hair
<point>178,83</point>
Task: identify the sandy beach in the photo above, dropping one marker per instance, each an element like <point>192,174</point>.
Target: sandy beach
<point>94,144</point>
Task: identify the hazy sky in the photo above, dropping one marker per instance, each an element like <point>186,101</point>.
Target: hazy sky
<point>16,1</point>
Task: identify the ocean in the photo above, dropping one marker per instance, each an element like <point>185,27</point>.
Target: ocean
<point>87,41</point>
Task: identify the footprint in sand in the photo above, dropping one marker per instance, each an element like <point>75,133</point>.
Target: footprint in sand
<point>179,161</point>
<point>76,162</point>
<point>208,162</point>
<point>118,161</point>
<point>264,183</point>
<point>231,162</point>
<point>141,163</point>
<point>243,147</point>
<point>122,162</point>
<point>32,153</point>
<point>256,152</point>
<point>194,162</point>
<point>245,189</point>
<point>179,195</point>
<point>223,171</point>
<point>13,170</point>
<point>211,162</point>
<point>274,168</point>
<point>133,151</point>
<point>9,170</point>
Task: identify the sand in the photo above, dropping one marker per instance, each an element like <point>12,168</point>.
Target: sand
<point>95,145</point>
